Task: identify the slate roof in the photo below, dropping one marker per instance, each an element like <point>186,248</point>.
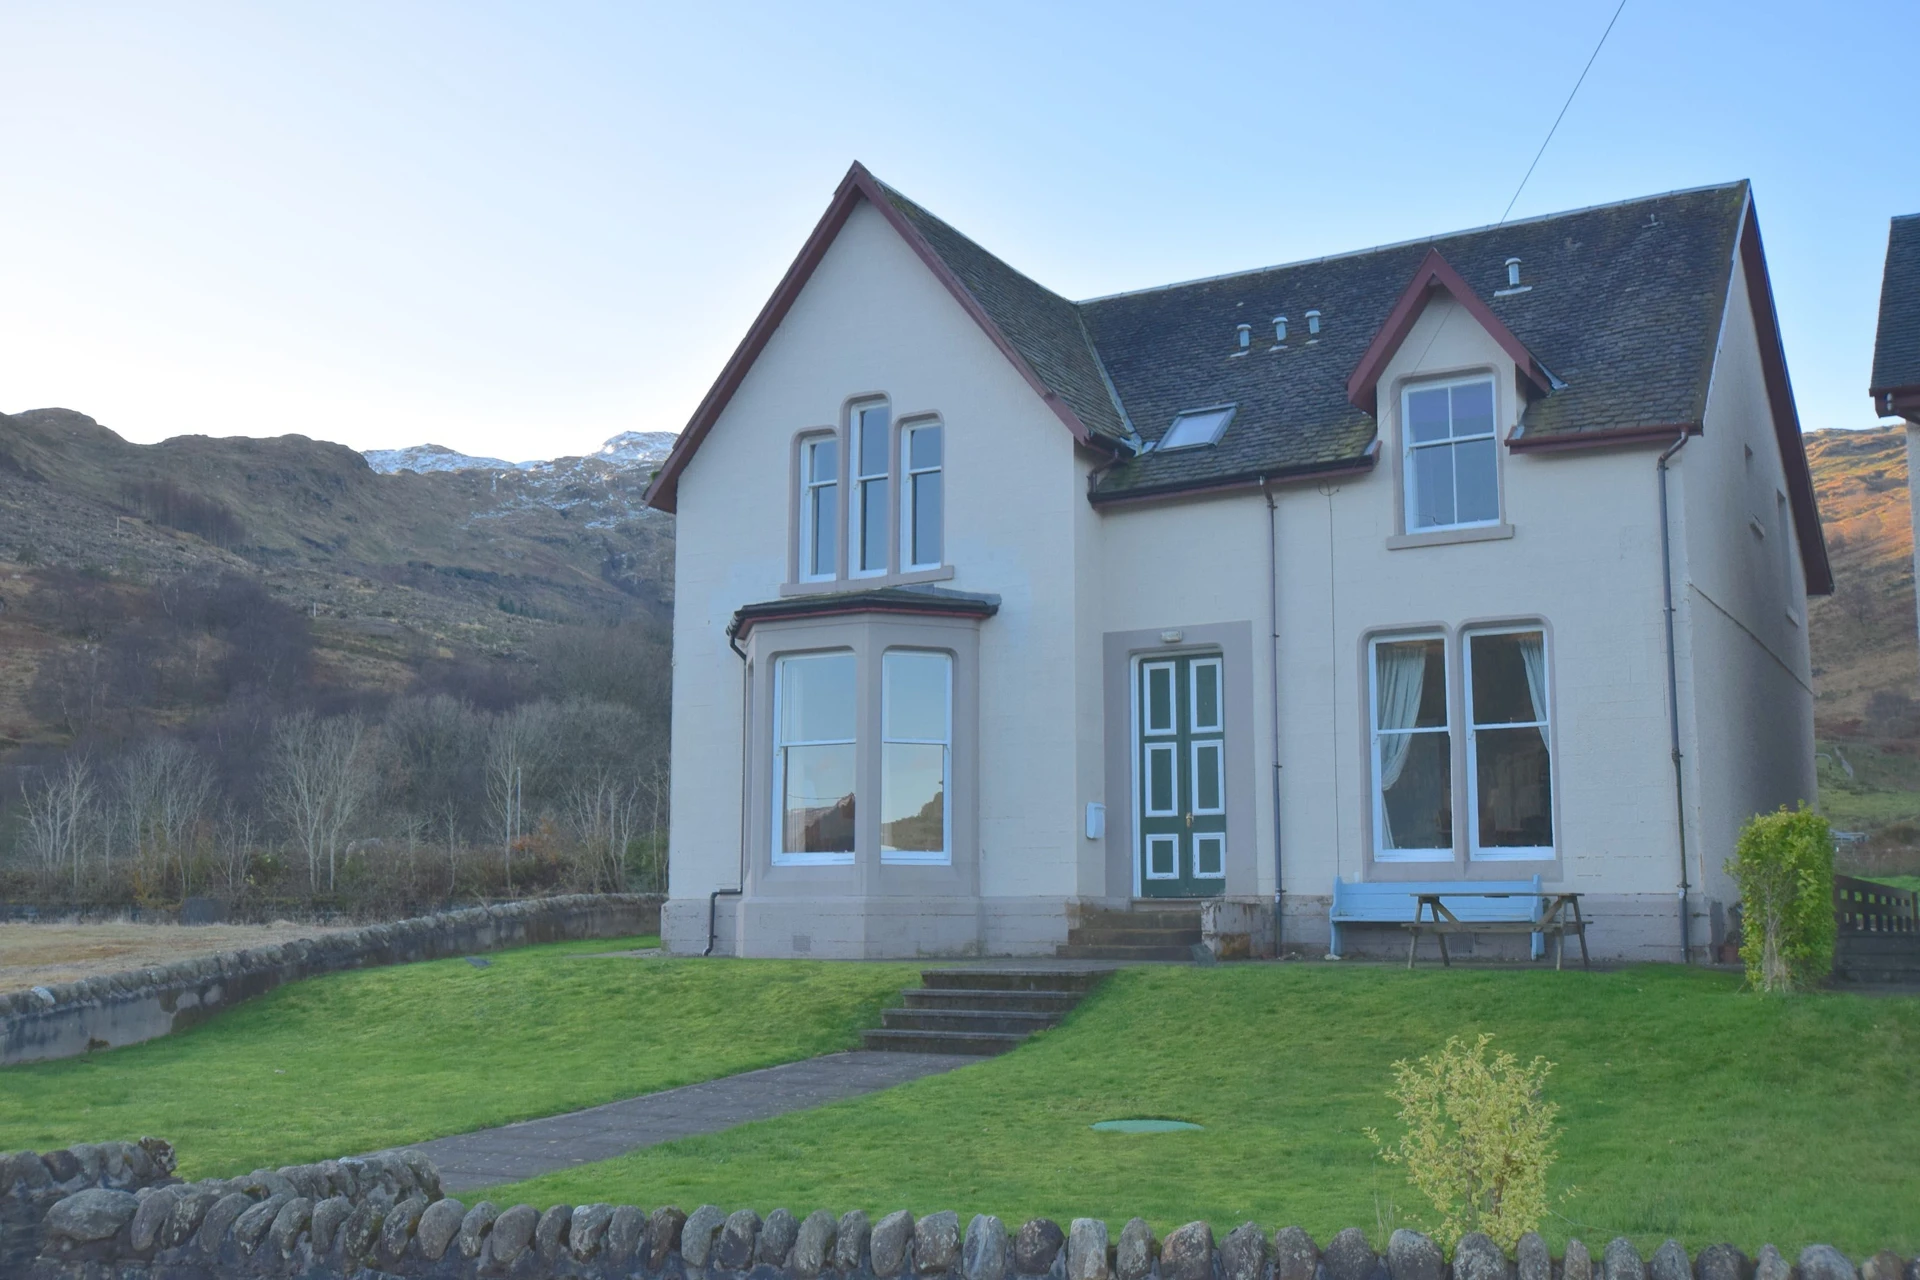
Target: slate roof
<point>1044,327</point>
<point>1896,352</point>
<point>920,600</point>
<point>1623,310</point>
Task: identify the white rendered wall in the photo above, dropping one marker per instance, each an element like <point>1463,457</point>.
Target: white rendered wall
<point>873,319</point>
<point>1747,692</point>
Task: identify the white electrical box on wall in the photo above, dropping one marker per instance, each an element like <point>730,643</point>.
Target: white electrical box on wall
<point>1096,820</point>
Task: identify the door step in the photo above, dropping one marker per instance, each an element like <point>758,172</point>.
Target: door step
<point>1158,932</point>
<point>981,1011</point>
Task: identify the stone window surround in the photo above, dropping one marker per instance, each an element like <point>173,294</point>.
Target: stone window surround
<point>1233,641</point>
<point>843,578</point>
<point>1462,866</point>
<point>868,636</point>
<point>1505,419</point>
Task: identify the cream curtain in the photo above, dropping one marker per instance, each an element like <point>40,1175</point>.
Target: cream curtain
<point>1533,652</point>
<point>1401,676</point>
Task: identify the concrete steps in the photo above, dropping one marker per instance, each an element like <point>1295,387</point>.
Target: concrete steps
<point>981,1011</point>
<point>1149,933</point>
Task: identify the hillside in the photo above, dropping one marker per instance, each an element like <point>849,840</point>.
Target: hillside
<point>394,571</point>
<point>1864,635</point>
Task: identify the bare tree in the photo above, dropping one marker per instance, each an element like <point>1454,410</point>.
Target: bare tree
<point>519,749</point>
<point>320,780</point>
<point>164,792</point>
<point>235,845</point>
<point>61,817</point>
<point>602,809</point>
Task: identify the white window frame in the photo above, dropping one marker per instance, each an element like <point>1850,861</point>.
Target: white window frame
<point>857,482</point>
<point>1409,489</point>
<point>809,496</point>
<point>1506,853</point>
<point>1379,801</point>
<point>781,856</point>
<point>920,857</point>
<point>908,474</point>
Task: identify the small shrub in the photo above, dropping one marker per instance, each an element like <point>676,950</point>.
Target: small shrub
<point>1479,1140</point>
<point>1783,864</point>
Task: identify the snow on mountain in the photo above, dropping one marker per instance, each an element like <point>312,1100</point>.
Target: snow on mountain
<point>628,450</point>
<point>638,448</point>
<point>432,457</point>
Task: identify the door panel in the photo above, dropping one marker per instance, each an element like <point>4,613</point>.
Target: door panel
<point>1181,764</point>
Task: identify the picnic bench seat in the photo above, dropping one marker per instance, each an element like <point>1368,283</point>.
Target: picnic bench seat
<point>1395,901</point>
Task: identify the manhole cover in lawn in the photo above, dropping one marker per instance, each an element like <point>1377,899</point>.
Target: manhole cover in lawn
<point>1144,1126</point>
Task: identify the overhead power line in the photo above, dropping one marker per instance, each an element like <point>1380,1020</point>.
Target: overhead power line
<point>1563,111</point>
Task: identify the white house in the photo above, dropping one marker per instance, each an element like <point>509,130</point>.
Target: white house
<point>1476,558</point>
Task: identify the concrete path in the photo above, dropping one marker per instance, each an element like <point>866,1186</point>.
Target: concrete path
<point>534,1147</point>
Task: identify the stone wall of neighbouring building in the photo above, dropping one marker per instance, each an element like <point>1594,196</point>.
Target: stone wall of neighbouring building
<point>139,1004</point>
<point>385,1217</point>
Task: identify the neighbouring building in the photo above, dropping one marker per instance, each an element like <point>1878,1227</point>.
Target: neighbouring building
<point>1896,349</point>
<point>1475,558</point>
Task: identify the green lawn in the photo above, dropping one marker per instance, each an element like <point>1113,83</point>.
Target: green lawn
<point>357,1061</point>
<point>1910,883</point>
<point>1690,1109</point>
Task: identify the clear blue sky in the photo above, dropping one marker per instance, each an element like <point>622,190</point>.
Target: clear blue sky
<point>516,229</point>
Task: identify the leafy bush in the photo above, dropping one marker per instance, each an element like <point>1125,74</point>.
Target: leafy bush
<point>1479,1139</point>
<point>1783,864</point>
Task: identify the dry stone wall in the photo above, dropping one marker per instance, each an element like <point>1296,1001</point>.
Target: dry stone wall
<point>140,1004</point>
<point>386,1217</point>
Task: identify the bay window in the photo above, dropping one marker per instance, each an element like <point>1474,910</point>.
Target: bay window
<point>916,744</point>
<point>814,716</point>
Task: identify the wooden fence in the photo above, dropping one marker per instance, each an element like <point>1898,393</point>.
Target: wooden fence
<point>1861,906</point>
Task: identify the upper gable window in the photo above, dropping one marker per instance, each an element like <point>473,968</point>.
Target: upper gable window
<point>1197,427</point>
<point>870,500</point>
<point>922,497</point>
<point>1450,462</point>
<point>870,517</point>
<point>819,508</point>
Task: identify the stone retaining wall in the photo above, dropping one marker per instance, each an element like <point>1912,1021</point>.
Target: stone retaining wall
<point>139,1004</point>
<point>385,1217</point>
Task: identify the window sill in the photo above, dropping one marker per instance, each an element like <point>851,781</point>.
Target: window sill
<point>867,582</point>
<point>1447,537</point>
<point>915,859</point>
<point>812,859</point>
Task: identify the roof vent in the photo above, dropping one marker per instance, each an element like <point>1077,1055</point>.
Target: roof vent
<point>1313,322</point>
<point>1245,332</point>
<point>1279,332</point>
<point>1513,281</point>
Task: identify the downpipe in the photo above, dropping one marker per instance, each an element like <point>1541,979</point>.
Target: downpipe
<point>1673,693</point>
<point>746,760</point>
<point>1273,688</point>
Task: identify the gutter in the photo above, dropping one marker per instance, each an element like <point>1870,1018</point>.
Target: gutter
<point>1350,467</point>
<point>746,759</point>
<point>1673,690</point>
<point>1273,686</point>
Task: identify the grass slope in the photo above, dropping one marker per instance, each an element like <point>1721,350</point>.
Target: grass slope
<point>357,1061</point>
<point>1690,1109</point>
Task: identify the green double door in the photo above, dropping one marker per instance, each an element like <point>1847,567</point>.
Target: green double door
<point>1181,803</point>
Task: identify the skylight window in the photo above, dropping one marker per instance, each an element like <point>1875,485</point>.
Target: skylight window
<point>1197,427</point>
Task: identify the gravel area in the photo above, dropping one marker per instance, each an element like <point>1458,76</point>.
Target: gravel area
<point>39,954</point>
